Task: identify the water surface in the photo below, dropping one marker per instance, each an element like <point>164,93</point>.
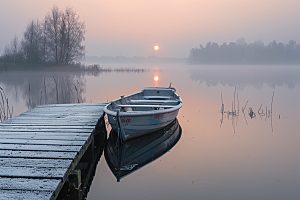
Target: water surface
<point>229,156</point>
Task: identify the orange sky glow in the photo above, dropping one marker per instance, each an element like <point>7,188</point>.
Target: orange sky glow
<point>130,28</point>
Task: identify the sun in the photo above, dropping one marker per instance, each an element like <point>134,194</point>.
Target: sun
<point>156,47</point>
<point>156,78</point>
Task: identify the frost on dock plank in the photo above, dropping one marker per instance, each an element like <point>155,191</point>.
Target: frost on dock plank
<point>29,162</point>
<point>33,172</point>
<point>28,184</point>
<point>25,194</point>
<point>22,147</point>
<point>37,154</point>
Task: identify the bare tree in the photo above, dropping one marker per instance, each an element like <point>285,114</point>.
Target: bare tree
<point>65,34</point>
<point>31,44</point>
<point>75,31</point>
<point>52,24</point>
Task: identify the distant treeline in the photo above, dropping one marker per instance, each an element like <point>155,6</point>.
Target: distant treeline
<point>240,52</point>
<point>57,39</point>
<point>135,59</point>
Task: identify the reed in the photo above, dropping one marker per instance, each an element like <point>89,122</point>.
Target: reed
<point>77,93</point>
<point>56,90</point>
<point>5,111</point>
<point>234,112</point>
<point>95,69</point>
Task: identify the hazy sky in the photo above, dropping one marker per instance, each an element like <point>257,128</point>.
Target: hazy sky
<point>133,27</point>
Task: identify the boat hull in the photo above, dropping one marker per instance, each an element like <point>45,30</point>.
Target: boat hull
<point>134,126</point>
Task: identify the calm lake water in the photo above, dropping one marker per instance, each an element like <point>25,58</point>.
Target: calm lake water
<point>229,156</point>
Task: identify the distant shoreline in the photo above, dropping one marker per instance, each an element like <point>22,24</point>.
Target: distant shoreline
<point>74,67</point>
<point>134,60</point>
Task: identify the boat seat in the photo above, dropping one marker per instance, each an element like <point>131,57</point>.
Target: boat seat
<point>146,106</point>
<point>153,101</point>
<point>157,97</point>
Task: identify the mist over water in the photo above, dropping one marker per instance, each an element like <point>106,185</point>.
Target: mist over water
<point>217,157</point>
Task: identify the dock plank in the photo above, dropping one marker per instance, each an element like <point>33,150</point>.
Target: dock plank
<point>74,105</point>
<point>42,136</point>
<point>66,111</point>
<point>26,129</point>
<point>52,123</point>
<point>37,154</point>
<point>50,134</point>
<point>60,115</point>
<point>51,126</point>
<point>28,184</point>
<point>33,172</point>
<point>45,142</point>
<point>35,147</point>
<point>29,162</point>
<point>60,122</point>
<point>25,194</point>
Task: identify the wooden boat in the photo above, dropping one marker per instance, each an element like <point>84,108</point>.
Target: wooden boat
<point>143,112</point>
<point>129,156</point>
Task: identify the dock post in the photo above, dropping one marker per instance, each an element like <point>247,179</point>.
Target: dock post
<point>75,183</point>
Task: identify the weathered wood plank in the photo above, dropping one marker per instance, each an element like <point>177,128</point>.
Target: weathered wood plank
<point>83,117</point>
<point>23,194</point>
<point>28,162</point>
<point>12,126</point>
<point>73,105</point>
<point>66,111</point>
<point>62,112</point>
<point>46,123</point>
<point>33,172</point>
<point>45,142</point>
<point>40,119</point>
<point>61,115</point>
<point>29,184</point>
<point>37,154</point>
<point>26,147</point>
<point>50,134</point>
<point>47,130</point>
<point>56,133</point>
<point>90,109</point>
<point>43,136</point>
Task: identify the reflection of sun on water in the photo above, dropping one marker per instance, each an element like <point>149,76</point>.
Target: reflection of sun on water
<point>156,78</point>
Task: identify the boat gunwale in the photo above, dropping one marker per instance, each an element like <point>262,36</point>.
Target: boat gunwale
<point>142,113</point>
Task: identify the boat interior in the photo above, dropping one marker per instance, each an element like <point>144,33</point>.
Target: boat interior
<point>147,100</point>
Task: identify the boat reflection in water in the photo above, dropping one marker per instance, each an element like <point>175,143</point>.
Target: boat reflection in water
<point>127,157</point>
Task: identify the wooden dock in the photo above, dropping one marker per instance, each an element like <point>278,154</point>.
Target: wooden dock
<point>42,147</point>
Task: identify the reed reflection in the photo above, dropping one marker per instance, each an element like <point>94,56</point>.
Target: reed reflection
<point>127,157</point>
<point>60,89</point>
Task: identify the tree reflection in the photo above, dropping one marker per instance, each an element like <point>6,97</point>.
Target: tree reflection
<point>242,76</point>
<point>36,89</point>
